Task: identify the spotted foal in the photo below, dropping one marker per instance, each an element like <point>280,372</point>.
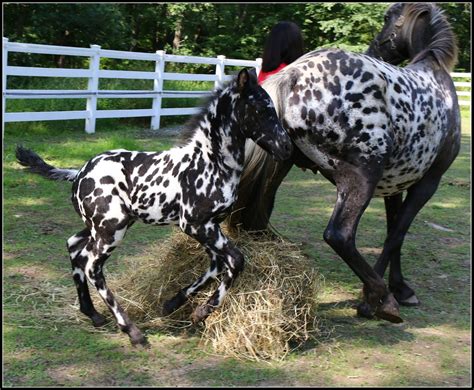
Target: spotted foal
<point>191,185</point>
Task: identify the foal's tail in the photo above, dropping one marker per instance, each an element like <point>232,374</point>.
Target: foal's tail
<point>36,164</point>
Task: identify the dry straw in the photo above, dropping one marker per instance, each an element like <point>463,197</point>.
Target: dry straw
<point>269,311</point>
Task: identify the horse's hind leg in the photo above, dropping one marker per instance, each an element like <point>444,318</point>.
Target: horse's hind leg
<point>88,255</point>
<point>417,196</point>
<point>355,188</point>
<point>75,246</point>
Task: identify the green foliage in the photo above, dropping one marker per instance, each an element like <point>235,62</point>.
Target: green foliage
<point>349,26</point>
<point>236,30</point>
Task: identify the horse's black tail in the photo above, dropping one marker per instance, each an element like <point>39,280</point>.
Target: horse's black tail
<point>259,182</point>
<point>36,164</point>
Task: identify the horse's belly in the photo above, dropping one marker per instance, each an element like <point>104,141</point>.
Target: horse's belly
<point>392,182</point>
<point>402,172</point>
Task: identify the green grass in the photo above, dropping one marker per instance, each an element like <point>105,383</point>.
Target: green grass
<point>47,342</point>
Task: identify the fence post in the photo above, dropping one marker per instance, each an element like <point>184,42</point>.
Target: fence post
<point>4,80</point>
<point>219,72</point>
<point>158,89</point>
<point>93,86</point>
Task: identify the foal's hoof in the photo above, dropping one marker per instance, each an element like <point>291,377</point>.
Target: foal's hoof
<point>140,342</point>
<point>201,313</point>
<point>98,320</point>
<point>389,310</point>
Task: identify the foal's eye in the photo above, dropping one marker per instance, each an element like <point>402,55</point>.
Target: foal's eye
<point>386,18</point>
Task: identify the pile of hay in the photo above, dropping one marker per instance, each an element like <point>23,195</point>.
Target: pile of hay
<point>270,310</point>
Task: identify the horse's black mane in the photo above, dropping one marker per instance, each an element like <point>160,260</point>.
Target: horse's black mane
<point>443,41</point>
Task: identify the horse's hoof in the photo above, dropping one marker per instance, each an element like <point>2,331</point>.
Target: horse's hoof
<point>389,310</point>
<point>411,301</point>
<point>200,313</point>
<point>404,294</point>
<point>98,320</point>
<point>365,310</point>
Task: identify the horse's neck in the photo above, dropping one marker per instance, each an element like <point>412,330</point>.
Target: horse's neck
<point>431,67</point>
<point>219,138</point>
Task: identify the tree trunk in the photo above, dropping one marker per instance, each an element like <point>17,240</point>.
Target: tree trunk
<point>177,36</point>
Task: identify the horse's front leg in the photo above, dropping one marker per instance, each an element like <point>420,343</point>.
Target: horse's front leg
<point>355,187</point>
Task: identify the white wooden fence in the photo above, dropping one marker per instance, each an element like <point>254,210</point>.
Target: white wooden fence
<point>464,95</point>
<point>94,74</point>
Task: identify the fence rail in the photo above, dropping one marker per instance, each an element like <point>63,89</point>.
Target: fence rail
<point>94,74</point>
<point>464,85</point>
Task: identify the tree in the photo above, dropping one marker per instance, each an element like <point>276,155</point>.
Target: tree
<point>235,30</point>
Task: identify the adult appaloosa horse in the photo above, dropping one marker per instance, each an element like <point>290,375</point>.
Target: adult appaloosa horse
<point>192,185</point>
<point>372,129</point>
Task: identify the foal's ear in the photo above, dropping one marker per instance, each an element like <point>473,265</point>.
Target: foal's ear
<point>253,75</point>
<point>243,80</point>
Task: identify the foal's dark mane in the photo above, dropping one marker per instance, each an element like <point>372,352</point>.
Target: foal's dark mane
<point>192,124</point>
<point>443,41</point>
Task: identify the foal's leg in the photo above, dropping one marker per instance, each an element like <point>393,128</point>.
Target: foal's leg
<point>223,255</point>
<point>75,246</point>
<point>417,196</point>
<point>97,252</point>
<point>355,187</point>
<point>233,261</point>
<point>182,296</point>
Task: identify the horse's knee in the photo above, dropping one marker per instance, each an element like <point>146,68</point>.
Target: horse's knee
<point>236,261</point>
<point>337,240</point>
<point>78,275</point>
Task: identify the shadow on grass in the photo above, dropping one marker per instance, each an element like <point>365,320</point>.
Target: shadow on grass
<point>72,353</point>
